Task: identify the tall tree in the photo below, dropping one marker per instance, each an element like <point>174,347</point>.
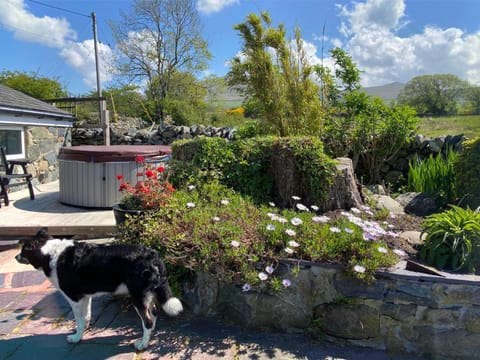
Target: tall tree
<point>158,38</point>
<point>32,84</point>
<point>472,95</point>
<point>433,94</point>
<point>275,74</point>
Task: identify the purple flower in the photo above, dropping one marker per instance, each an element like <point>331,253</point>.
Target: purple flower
<point>286,283</point>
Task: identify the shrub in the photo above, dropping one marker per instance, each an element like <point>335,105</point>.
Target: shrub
<point>434,176</point>
<point>214,229</point>
<point>467,171</point>
<point>452,239</point>
<point>249,129</point>
<point>265,168</point>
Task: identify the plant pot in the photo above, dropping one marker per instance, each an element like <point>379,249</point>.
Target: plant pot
<point>120,214</point>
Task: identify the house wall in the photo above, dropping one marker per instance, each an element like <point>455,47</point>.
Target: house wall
<point>42,145</point>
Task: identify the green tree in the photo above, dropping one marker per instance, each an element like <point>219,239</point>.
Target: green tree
<point>363,128</point>
<point>433,94</point>
<point>472,95</point>
<point>32,84</point>
<point>158,39</point>
<point>344,80</point>
<point>186,99</point>
<point>274,75</point>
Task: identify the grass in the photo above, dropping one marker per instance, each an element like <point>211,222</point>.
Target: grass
<point>468,125</point>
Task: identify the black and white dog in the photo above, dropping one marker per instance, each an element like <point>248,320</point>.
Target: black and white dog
<point>81,270</point>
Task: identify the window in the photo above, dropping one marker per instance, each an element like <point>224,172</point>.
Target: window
<point>13,139</point>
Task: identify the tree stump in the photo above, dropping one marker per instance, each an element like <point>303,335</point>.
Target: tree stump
<point>343,193</point>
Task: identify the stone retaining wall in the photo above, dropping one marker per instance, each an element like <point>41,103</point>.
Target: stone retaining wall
<point>421,315</point>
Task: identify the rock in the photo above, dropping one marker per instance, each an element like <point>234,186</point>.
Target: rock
<point>413,237</point>
<point>387,203</point>
<point>419,204</point>
<point>376,189</point>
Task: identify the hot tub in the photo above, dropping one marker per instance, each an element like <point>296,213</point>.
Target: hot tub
<point>88,173</point>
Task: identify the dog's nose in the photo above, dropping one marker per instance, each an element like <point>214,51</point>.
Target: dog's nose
<point>21,259</point>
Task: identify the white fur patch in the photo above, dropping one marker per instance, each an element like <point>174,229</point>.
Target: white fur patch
<point>173,306</point>
<point>55,248</point>
<point>121,290</point>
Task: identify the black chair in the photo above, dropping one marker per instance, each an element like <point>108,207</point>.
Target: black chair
<point>7,168</point>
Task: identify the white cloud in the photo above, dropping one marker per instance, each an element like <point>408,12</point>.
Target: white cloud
<point>212,6</point>
<point>53,32</point>
<point>81,56</point>
<point>371,30</point>
<point>58,34</point>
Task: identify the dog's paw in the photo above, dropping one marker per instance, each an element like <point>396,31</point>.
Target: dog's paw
<point>140,345</point>
<point>74,338</point>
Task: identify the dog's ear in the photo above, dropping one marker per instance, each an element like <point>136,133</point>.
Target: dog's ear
<point>42,234</point>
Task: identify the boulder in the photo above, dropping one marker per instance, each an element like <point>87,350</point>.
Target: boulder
<point>418,203</point>
<point>387,203</point>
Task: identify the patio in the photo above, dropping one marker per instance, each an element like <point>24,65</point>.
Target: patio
<point>23,217</point>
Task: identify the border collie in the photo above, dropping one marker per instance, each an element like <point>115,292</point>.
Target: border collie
<point>80,271</point>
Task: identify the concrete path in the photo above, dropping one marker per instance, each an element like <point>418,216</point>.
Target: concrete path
<point>35,320</point>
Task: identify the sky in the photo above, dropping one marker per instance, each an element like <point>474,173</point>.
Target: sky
<point>389,40</point>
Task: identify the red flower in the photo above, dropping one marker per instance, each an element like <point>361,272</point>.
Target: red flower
<point>151,190</point>
<point>149,174</point>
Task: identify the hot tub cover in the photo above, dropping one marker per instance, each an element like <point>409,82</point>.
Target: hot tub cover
<point>113,153</point>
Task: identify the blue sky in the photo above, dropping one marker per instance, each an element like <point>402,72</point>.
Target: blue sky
<point>389,40</point>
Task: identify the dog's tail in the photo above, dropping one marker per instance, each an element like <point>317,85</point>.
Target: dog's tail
<point>170,304</point>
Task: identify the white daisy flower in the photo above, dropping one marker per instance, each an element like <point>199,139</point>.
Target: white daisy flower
<point>359,269</point>
<point>290,232</point>
<point>246,287</point>
<point>262,276</point>
<point>296,221</point>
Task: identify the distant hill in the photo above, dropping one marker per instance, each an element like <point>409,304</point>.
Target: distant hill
<point>387,92</point>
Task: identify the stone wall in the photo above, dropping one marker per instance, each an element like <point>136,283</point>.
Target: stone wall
<point>127,133</point>
<point>420,315</point>
<point>42,146</point>
<point>419,145</point>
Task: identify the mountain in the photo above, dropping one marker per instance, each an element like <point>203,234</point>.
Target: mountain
<point>387,92</point>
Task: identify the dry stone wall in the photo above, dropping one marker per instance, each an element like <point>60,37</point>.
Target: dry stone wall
<point>420,315</point>
<point>391,171</point>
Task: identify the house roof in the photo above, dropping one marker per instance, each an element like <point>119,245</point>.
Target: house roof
<point>28,110</point>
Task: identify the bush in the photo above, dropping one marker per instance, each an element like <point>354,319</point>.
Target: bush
<point>452,239</point>
<point>434,176</point>
<point>467,170</point>
<point>265,168</point>
<point>214,229</point>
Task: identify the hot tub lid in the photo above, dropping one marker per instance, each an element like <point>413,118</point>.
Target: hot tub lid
<point>112,153</point>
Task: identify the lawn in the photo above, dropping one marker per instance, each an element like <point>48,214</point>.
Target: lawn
<point>468,125</point>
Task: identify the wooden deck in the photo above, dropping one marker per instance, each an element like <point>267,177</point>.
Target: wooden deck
<point>23,217</point>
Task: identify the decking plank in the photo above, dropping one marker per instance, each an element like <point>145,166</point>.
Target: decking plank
<point>23,217</point>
